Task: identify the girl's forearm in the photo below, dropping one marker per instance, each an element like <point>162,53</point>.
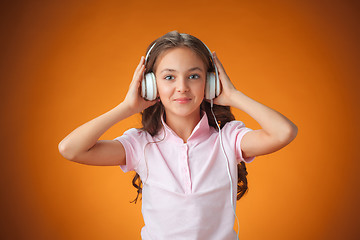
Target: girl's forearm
<point>272,122</point>
<point>85,137</point>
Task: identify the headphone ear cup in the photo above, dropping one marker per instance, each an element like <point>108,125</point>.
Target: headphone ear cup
<point>154,86</point>
<point>150,86</point>
<point>143,87</point>
<point>210,86</point>
<point>217,86</point>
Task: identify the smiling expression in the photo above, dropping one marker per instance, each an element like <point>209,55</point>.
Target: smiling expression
<point>180,77</point>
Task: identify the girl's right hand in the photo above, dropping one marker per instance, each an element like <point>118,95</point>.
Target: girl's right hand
<point>133,97</point>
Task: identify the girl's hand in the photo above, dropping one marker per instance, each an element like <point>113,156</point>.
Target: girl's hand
<point>133,97</point>
<point>227,87</point>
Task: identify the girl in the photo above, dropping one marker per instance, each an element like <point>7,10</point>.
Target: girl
<point>185,167</point>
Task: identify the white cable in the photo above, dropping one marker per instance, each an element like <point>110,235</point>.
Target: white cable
<point>228,170</point>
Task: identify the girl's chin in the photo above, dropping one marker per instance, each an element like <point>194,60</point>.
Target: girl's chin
<point>183,112</point>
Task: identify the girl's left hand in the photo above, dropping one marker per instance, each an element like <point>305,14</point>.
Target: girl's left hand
<point>228,87</point>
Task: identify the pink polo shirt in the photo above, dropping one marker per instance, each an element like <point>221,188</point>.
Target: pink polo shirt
<point>186,188</point>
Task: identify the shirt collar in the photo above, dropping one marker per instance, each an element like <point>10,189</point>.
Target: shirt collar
<point>199,133</point>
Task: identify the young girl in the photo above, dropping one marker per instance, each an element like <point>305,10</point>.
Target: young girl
<point>186,169</point>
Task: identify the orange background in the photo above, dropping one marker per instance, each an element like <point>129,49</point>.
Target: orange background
<point>64,63</point>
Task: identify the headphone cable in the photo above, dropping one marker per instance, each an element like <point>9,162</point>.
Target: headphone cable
<point>228,170</point>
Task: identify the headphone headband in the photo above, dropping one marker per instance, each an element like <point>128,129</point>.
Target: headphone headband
<point>148,53</point>
<point>182,34</point>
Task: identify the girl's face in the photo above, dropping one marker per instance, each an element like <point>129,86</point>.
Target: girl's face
<point>180,77</point>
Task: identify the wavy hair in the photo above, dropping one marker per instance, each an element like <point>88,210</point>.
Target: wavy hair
<point>151,117</point>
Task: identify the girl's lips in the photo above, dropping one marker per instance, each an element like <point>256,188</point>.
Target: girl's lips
<point>182,100</point>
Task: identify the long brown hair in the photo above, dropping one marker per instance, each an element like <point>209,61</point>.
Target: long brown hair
<point>151,117</point>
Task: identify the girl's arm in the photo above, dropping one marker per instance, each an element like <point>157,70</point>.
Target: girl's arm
<point>82,144</point>
<point>277,131</point>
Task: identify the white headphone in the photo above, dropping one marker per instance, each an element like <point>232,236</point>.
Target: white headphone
<point>212,86</point>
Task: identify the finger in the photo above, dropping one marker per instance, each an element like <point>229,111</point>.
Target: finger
<point>138,75</point>
<point>217,62</point>
<point>221,70</point>
<point>141,63</point>
<point>139,71</point>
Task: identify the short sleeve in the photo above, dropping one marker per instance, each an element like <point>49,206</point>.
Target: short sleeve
<point>233,132</point>
<point>133,142</point>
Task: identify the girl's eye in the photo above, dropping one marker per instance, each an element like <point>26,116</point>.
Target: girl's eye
<point>169,77</point>
<point>194,76</point>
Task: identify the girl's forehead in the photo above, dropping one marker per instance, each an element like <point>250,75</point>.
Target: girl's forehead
<point>178,57</point>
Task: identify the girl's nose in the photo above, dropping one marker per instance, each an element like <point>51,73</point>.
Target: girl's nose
<point>182,85</point>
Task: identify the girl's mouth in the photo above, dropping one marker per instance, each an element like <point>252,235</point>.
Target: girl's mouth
<point>182,100</point>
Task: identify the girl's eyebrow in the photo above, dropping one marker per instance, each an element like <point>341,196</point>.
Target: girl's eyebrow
<point>195,68</point>
<point>168,70</point>
<point>173,70</point>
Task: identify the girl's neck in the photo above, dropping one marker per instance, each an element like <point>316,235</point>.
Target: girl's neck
<point>183,126</point>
